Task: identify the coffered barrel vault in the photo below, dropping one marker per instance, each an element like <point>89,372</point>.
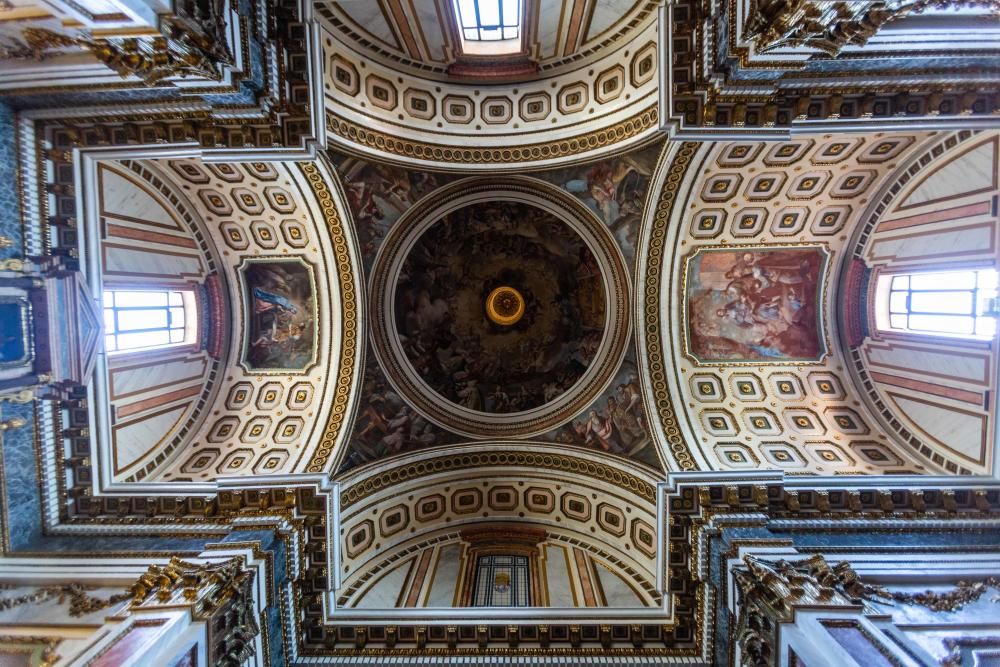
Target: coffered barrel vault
<point>591,101</point>
<point>258,398</point>
<point>778,388</point>
<point>434,331</point>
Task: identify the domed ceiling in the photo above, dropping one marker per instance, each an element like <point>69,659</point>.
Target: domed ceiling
<point>500,307</point>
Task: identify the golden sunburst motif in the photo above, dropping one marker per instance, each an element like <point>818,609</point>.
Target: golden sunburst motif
<point>505,306</point>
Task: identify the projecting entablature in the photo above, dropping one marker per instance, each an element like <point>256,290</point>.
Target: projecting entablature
<point>738,68</point>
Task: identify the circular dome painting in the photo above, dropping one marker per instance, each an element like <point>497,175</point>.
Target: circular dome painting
<point>500,307</point>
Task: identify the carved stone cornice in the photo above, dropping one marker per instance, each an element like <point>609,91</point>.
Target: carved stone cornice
<point>769,593</point>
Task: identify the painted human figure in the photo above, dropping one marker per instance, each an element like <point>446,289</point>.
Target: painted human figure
<point>628,426</point>
<point>470,396</point>
<point>601,429</point>
<point>398,428</point>
<point>501,400</point>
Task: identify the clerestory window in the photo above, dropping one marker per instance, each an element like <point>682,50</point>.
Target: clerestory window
<point>489,27</point>
<point>147,319</point>
<point>956,303</point>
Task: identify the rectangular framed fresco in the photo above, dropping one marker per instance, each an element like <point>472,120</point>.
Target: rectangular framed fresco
<point>279,306</point>
<point>754,305</point>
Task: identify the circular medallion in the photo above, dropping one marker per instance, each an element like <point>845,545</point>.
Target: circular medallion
<point>500,307</point>
<point>505,306</point>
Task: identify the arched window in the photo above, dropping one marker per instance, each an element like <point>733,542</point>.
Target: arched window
<point>489,27</point>
<point>954,303</point>
<point>147,319</point>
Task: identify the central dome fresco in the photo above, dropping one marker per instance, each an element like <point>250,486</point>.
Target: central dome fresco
<point>500,307</point>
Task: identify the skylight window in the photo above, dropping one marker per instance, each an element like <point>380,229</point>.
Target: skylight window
<point>142,320</point>
<point>958,303</point>
<point>489,27</point>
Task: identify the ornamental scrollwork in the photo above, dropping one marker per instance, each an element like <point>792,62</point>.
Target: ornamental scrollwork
<point>190,44</point>
<point>80,602</point>
<point>219,593</point>
<point>48,656</point>
<point>784,584</point>
<point>215,591</point>
<point>771,590</point>
<point>829,25</point>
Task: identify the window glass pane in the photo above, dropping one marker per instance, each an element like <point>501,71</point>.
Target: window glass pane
<point>897,302</point>
<point>132,320</point>
<point>489,13</point>
<point>143,319</point>
<point>511,9</point>
<point>131,341</point>
<point>932,281</point>
<point>959,303</point>
<point>986,326</point>
<point>489,21</point>
<point>942,323</point>
<point>467,13</point>
<point>988,279</point>
<point>139,299</point>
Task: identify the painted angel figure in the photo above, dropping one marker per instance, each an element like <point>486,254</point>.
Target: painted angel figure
<point>265,301</point>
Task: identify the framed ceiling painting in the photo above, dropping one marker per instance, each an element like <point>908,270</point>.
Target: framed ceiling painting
<point>279,306</point>
<point>753,304</point>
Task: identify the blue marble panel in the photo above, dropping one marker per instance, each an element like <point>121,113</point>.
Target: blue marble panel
<point>268,542</point>
<point>164,544</point>
<point>277,649</point>
<point>23,497</point>
<point>10,205</point>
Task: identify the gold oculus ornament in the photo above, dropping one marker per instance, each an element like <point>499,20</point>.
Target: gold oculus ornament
<point>505,306</point>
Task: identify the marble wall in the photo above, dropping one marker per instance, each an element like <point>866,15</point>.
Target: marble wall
<point>10,208</point>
